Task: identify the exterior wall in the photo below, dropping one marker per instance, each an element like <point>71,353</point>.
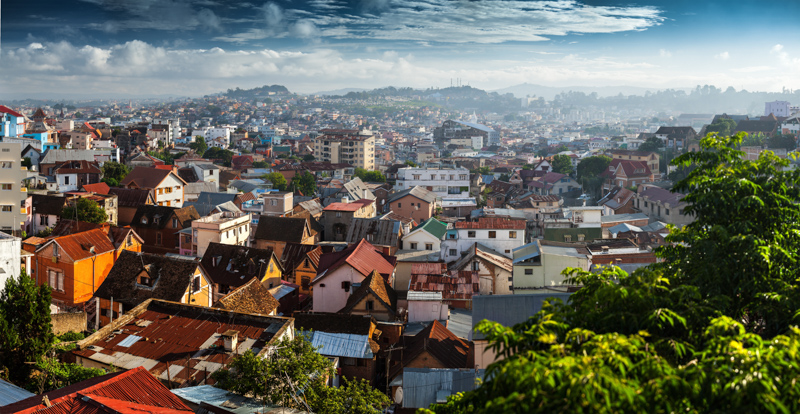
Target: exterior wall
<point>358,152</point>
<point>572,234</point>
<point>13,198</point>
<point>502,243</point>
<point>412,207</point>
<point>426,311</point>
<point>78,285</point>
<point>169,192</point>
<point>10,247</point>
<point>422,238</point>
<point>483,355</point>
<point>379,312</point>
<point>662,212</point>
<point>203,296</point>
<point>425,360</point>
<point>273,271</point>
<point>329,296</point>
<point>546,274</point>
<point>235,230</point>
<point>305,273</point>
<point>68,322</point>
<point>276,246</point>
<point>402,276</point>
<point>336,225</point>
<point>277,204</point>
<point>443,182</point>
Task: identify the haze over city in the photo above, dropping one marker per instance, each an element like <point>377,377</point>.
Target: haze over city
<point>193,47</point>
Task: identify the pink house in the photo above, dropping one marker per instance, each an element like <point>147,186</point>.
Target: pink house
<point>339,271</point>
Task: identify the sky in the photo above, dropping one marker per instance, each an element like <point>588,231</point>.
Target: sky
<point>137,48</point>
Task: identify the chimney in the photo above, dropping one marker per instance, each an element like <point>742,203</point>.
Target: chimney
<point>345,199</point>
<point>364,193</point>
<point>230,339</point>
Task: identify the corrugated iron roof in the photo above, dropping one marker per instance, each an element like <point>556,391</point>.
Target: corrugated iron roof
<point>341,344</point>
<point>78,246</point>
<point>10,393</point>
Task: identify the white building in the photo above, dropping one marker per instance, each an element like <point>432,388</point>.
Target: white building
<point>10,247</point>
<point>224,228</point>
<point>12,192</point>
<point>215,136</point>
<point>426,236</point>
<point>443,182</point>
<point>500,235</point>
<point>777,108</point>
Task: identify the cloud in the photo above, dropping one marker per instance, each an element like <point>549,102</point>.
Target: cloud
<point>777,48</point>
<point>172,15</point>
<point>722,56</point>
<point>664,53</point>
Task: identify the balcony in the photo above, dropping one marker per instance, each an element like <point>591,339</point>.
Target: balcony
<point>23,211</point>
<point>23,189</point>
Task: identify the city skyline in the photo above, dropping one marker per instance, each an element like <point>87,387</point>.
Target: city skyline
<point>196,47</point>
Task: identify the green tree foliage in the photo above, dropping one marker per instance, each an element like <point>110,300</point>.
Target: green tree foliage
<point>591,167</point>
<point>723,127</point>
<point>787,142</point>
<point>294,376</point>
<point>753,140</point>
<point>26,162</point>
<point>504,177</point>
<point>87,210</point>
<point>562,164</point>
<point>710,328</point>
<point>277,179</point>
<point>114,172</point>
<point>51,374</point>
<point>199,145</point>
<point>308,158</point>
<point>215,153</point>
<point>369,176</point>
<point>260,164</point>
<point>411,163</point>
<point>305,183</point>
<point>651,144</point>
<point>26,332</point>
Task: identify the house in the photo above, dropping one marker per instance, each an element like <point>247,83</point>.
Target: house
<point>619,200</point>
<point>353,339</point>
<point>225,227</point>
<point>206,201</point>
<point>626,173</point>
<point>501,235</point>
<point>128,201</point>
<point>241,162</point>
<point>178,343</point>
<point>45,212</point>
<point>116,392</point>
<point>72,175</point>
<point>338,271</point>
<point>300,262</point>
<point>274,232</point>
<point>166,185</point>
<point>74,266</point>
<point>553,183</point>
<point>443,182</point>
<point>766,127</point>
<point>289,297</point>
<point>11,258</point>
<point>678,138</point>
<point>456,287</point>
<point>494,269</point>
<point>662,205</point>
<point>433,347</point>
<point>384,234</point>
<point>416,203</point>
<point>538,265</point>
<point>137,277</point>
<point>427,236</point>
<point>575,224</point>
<point>159,226</point>
<point>631,219</point>
<point>373,297</point>
<point>336,217</point>
<point>231,266</point>
<point>97,188</point>
<point>426,307</point>
<point>648,157</point>
<point>107,202</point>
<point>252,297</point>
<point>624,253</point>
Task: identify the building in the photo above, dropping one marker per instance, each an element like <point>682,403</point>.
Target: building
<point>618,200</point>
<point>652,159</point>
<point>501,235</point>
<point>160,226</point>
<point>662,205</point>
<point>575,224</point>
<point>339,271</point>
<point>470,132</point>
<point>252,297</point>
<point>225,228</point>
<point>137,277</point>
<point>128,201</point>
<point>72,175</point>
<point>300,263</point>
<point>538,265</point>
<point>626,173</point>
<point>10,258</point>
<point>231,266</point>
<point>180,344</point>
<point>415,203</point>
<point>443,182</point>
<point>778,108</point>
<point>493,269</point>
<point>427,236</point>
<point>678,138</point>
<point>373,297</point>
<point>383,234</point>
<point>274,232</point>
<point>13,192</point>
<point>346,147</point>
<point>166,185</point>
<point>336,217</point>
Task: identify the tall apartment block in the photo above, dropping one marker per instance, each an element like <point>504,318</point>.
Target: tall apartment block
<point>346,146</point>
<point>12,191</point>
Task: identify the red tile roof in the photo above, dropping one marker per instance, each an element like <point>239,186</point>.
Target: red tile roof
<point>492,223</point>
<point>10,111</point>
<point>99,188</point>
<point>363,257</point>
<point>125,392</point>
<point>343,207</point>
<point>145,177</point>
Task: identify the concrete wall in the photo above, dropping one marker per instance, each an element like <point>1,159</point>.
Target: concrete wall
<point>426,311</point>
<point>68,322</point>
<point>329,296</point>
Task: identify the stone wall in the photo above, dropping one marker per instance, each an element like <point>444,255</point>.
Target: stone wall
<point>68,322</point>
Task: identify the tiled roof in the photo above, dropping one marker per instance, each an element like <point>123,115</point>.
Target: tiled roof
<point>188,174</point>
<point>552,177</point>
<point>661,195</point>
<point>126,391</point>
<point>77,167</point>
<point>352,207</point>
<point>285,229</point>
<point>450,350</point>
<point>417,191</point>
<point>233,265</point>
<point>252,297</point>
<point>492,224</point>
<point>171,278</point>
<point>145,177</point>
<point>377,286</point>
<point>99,188</point>
<point>78,246</point>
<point>131,197</point>
<point>363,257</point>
<point>157,217</point>
<point>10,111</point>
<point>295,253</point>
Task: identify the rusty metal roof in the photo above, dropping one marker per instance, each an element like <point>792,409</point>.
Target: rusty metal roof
<point>78,246</point>
<point>454,286</point>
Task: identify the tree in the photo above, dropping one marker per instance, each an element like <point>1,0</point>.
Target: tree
<point>199,145</point>
<point>504,177</point>
<point>277,179</point>
<point>260,164</point>
<point>780,141</point>
<point>215,153</point>
<point>308,158</point>
<point>591,167</point>
<point>411,163</point>
<point>26,333</point>
<point>293,376</point>
<point>114,172</point>
<point>26,162</point>
<point>723,127</point>
<point>369,176</point>
<point>710,328</point>
<point>562,164</point>
<point>87,210</point>
<point>52,374</point>
<point>651,144</point>
<point>305,183</point>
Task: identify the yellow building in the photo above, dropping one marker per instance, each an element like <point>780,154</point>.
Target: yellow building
<point>346,146</point>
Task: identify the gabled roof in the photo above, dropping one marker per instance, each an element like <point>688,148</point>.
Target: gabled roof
<point>377,232</point>
<point>79,246</point>
<point>188,174</point>
<point>363,257</point>
<point>450,350</point>
<point>357,189</point>
<point>435,227</point>
<point>132,197</point>
<point>233,265</point>
<point>65,227</point>
<point>552,177</point>
<point>416,191</point>
<point>7,110</point>
<point>77,167</point>
<point>171,278</point>
<point>485,253</point>
<point>285,229</point>
<point>99,188</point>
<point>295,253</point>
<point>456,285</point>
<point>659,194</point>
<point>374,284</point>
<point>127,391</point>
<point>312,206</point>
<point>616,198</point>
<point>145,177</point>
<point>252,297</point>
<point>157,217</point>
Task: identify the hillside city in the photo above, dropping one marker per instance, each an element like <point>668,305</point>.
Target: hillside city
<point>382,226</point>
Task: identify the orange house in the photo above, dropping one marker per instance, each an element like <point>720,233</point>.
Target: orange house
<point>75,265</point>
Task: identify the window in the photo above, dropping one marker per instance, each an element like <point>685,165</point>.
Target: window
<point>273,202</point>
<point>581,237</point>
<point>306,282</point>
<point>476,266</point>
<point>158,239</point>
<point>512,234</point>
<point>44,220</point>
<point>471,233</point>
<point>666,211</point>
<point>6,208</point>
<point>144,220</point>
<point>56,279</point>
<point>168,190</point>
<point>321,285</point>
<point>413,246</point>
<point>528,271</point>
<point>6,164</point>
<point>452,252</point>
<point>196,284</point>
<point>370,305</point>
<point>492,234</point>
<point>399,205</point>
<point>175,222</point>
<point>568,238</point>
<point>346,285</point>
<point>66,180</point>
<point>339,214</point>
<point>428,246</point>
<point>6,186</point>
